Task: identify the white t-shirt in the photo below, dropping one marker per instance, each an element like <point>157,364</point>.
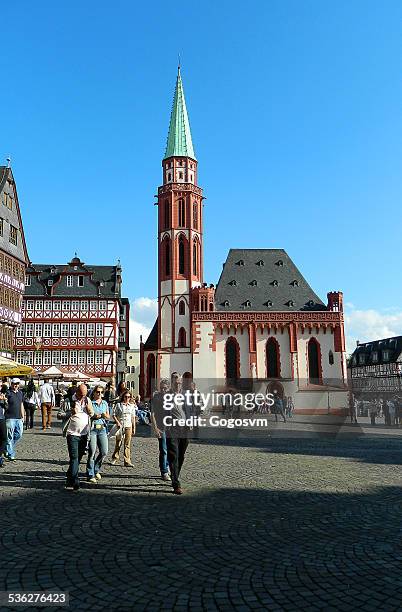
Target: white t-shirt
<point>79,422</point>
<point>125,413</point>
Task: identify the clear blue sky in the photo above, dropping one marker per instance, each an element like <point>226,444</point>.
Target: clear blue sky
<point>295,109</point>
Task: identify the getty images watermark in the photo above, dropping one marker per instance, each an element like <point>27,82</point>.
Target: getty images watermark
<point>199,405</point>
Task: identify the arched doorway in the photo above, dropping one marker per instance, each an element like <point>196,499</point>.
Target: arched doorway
<point>151,378</point>
<point>314,362</point>
<point>232,359</point>
<point>275,388</point>
<point>273,359</point>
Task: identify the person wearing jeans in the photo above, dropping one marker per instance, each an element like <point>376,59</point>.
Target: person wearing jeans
<point>157,414</point>
<point>3,426</point>
<point>98,438</point>
<point>15,415</point>
<point>77,434</point>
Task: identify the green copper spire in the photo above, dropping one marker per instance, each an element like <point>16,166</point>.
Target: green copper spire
<point>179,138</point>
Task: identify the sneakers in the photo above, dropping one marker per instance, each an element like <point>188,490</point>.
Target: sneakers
<point>166,477</point>
<point>128,465</point>
<point>98,476</point>
<point>92,480</point>
<point>178,491</point>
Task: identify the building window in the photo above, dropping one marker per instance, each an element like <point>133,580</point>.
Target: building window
<point>73,358</point>
<point>64,330</point>
<point>56,330</point>
<point>169,176</point>
<point>29,330</point>
<point>38,330</point>
<point>195,215</point>
<point>181,256</point>
<point>232,360</point>
<point>385,355</point>
<point>167,256</point>
<point>195,258</point>
<point>102,305</point>
<point>64,358</point>
<point>47,330</point>
<point>80,281</point>
<point>13,235</point>
<point>30,305</point>
<point>132,369</point>
<point>91,330</point>
<point>84,305</point>
<point>75,306</point>
<point>28,280</point>
<point>38,358</point>
<point>182,307</point>
<point>47,358</point>
<point>1,226</point>
<point>90,357</point>
<point>93,306</point>
<point>39,305</point>
<point>69,281</point>
<point>99,357</point>
<point>48,305</point>
<point>273,358</point>
<point>99,330</point>
<point>374,357</point>
<point>362,359</point>
<point>331,358</point>
<point>166,215</point>
<point>81,330</point>
<point>73,330</point>
<point>81,357</point>
<point>182,341</point>
<point>20,333</point>
<point>66,305</point>
<point>57,305</point>
<point>29,358</point>
<point>314,362</point>
<point>180,175</point>
<point>182,213</point>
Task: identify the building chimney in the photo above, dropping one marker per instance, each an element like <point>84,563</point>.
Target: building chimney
<point>357,342</point>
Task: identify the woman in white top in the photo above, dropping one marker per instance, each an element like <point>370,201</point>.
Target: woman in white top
<point>77,434</point>
<point>31,403</point>
<point>124,417</point>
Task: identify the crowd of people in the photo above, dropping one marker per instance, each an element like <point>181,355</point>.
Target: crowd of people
<point>90,418</point>
<point>387,409</point>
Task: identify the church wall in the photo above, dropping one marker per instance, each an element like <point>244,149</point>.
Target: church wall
<point>204,358</point>
<point>166,323</point>
<point>326,342</point>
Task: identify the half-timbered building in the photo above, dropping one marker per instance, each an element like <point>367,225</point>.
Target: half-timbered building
<point>74,318</point>
<point>13,261</point>
<point>376,366</point>
<point>261,327</point>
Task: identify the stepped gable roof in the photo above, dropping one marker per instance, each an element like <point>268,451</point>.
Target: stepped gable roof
<point>393,346</point>
<point>263,280</point>
<point>99,281</point>
<point>151,342</point>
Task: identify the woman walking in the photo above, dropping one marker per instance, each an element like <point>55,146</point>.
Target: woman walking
<point>31,403</point>
<point>3,427</point>
<point>124,417</point>
<point>98,437</point>
<point>77,434</point>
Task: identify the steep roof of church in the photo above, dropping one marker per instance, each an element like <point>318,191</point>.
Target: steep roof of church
<point>11,217</point>
<point>179,140</point>
<point>263,280</point>
<point>152,340</point>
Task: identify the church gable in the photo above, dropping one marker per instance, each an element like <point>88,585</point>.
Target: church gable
<point>263,280</point>
<point>12,240</point>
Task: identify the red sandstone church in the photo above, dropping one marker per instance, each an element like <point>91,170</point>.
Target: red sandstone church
<point>261,327</point>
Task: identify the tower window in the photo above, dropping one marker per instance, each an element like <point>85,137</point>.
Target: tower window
<point>182,213</point>
<point>80,281</point>
<point>166,216</point>
<point>169,176</point>
<point>195,215</point>
<point>331,358</point>
<point>195,258</point>
<point>180,175</point>
<point>166,252</point>
<point>182,341</point>
<point>182,307</point>
<point>181,256</point>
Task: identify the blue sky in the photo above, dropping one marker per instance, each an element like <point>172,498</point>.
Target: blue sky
<point>295,109</point>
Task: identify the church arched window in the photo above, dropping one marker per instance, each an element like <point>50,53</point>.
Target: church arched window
<point>182,307</point>
<point>195,215</point>
<point>181,255</point>
<point>195,258</point>
<point>166,215</point>
<point>331,358</point>
<point>182,342</point>
<point>273,358</point>
<point>166,256</point>
<point>314,362</point>
<point>182,213</point>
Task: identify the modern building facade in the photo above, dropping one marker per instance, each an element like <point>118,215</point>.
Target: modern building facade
<point>13,261</point>
<point>376,366</point>
<point>74,318</point>
<point>261,327</point>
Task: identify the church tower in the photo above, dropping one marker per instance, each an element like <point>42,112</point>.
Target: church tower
<point>180,261</point>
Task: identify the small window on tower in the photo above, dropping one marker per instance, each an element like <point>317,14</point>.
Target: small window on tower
<point>169,176</point>
<point>180,175</point>
<point>182,307</point>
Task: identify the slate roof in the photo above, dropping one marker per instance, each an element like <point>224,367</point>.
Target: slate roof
<point>151,343</point>
<point>179,141</point>
<point>392,345</point>
<point>11,217</point>
<point>99,281</point>
<point>263,280</point>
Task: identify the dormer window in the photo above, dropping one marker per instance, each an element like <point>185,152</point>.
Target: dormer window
<point>240,262</point>
<point>247,304</point>
<point>290,303</point>
<point>279,262</point>
<point>295,283</point>
<point>374,357</point>
<point>259,263</point>
<point>275,283</point>
<point>233,283</point>
<point>52,270</point>
<point>310,303</point>
<point>253,283</point>
<point>269,303</point>
<point>362,359</point>
<point>226,303</point>
<point>385,355</point>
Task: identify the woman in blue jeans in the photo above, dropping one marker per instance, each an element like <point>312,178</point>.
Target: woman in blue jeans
<point>98,438</point>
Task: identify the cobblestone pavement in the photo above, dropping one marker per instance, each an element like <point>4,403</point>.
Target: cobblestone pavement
<point>266,523</point>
